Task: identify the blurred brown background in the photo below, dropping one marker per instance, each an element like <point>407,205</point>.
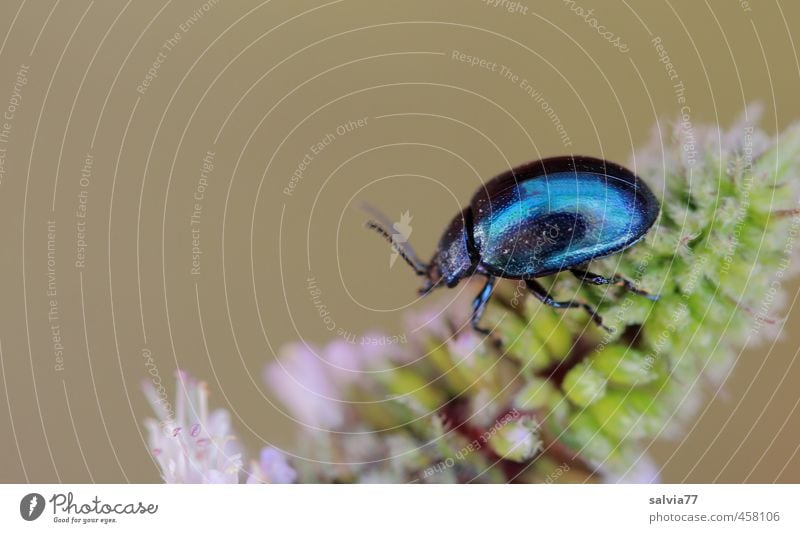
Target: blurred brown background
<point>249,87</point>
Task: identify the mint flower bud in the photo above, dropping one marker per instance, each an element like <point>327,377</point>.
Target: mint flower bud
<point>584,385</point>
<point>517,440</point>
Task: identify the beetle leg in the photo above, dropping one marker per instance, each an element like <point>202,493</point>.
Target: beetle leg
<point>479,305</point>
<point>542,294</point>
<point>597,279</point>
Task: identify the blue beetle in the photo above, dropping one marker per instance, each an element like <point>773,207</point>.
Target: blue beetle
<point>536,220</point>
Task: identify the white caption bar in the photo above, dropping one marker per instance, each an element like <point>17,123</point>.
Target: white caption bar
<point>401,508</point>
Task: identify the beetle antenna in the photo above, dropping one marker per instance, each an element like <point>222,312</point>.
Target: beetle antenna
<point>375,213</point>
<point>403,248</point>
<point>405,251</point>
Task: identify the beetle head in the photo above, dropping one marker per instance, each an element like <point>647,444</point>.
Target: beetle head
<point>449,265</point>
<point>452,261</point>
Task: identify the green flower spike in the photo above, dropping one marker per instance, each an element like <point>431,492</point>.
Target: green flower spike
<point>553,398</point>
